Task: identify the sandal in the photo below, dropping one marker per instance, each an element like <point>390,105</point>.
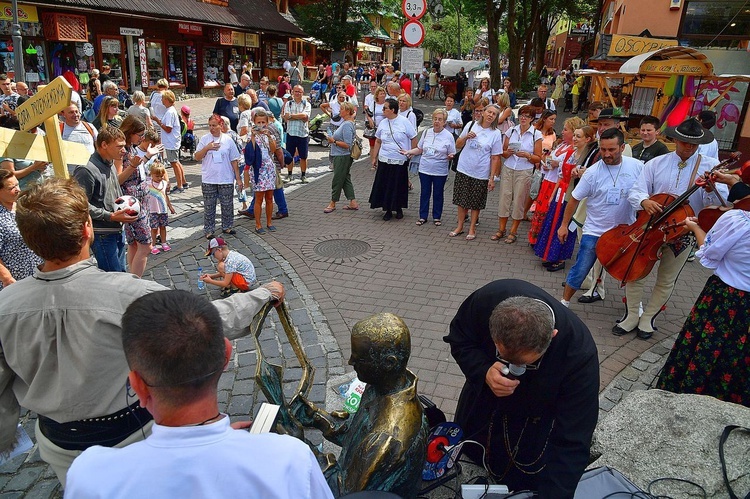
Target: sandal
<point>210,236</point>
<point>421,221</point>
<point>455,233</point>
<point>437,223</point>
<point>498,235</point>
<point>471,237</point>
<point>511,238</point>
<point>329,209</point>
<point>231,232</point>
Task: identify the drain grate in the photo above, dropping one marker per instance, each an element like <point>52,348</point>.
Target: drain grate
<point>341,248</point>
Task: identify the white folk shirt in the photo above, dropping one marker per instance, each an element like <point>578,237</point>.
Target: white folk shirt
<point>527,141</point>
<point>476,156</point>
<point>663,175</point>
<point>435,151</point>
<point>606,190</point>
<point>726,249</point>
<point>394,135</point>
<point>213,460</point>
<point>710,150</point>
<point>216,167</point>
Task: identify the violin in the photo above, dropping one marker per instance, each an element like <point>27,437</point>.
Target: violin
<point>629,252</point>
<point>709,215</point>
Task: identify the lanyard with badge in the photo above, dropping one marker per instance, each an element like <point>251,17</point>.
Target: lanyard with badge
<point>393,136</point>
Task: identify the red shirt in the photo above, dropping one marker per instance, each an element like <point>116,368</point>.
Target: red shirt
<point>406,85</point>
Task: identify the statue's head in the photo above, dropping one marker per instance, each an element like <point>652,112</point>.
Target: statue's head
<point>381,346</point>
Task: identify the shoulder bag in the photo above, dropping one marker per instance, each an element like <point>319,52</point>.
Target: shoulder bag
<point>355,150</point>
<point>454,161</point>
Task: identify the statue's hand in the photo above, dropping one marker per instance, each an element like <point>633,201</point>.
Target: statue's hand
<point>340,414</point>
<point>303,410</point>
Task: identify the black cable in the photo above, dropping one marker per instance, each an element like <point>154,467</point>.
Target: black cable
<point>665,479</point>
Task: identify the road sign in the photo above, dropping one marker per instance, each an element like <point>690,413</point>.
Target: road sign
<point>414,9</point>
<point>51,100</point>
<point>412,33</point>
<point>412,60</point>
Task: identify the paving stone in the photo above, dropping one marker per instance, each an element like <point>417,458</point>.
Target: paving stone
<point>606,404</point>
<point>650,357</point>
<point>640,365</point>
<point>44,489</point>
<point>24,478</point>
<point>245,387</point>
<point>240,405</point>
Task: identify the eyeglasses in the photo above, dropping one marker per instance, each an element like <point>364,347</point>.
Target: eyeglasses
<point>526,116</point>
<point>142,134</point>
<point>517,369</point>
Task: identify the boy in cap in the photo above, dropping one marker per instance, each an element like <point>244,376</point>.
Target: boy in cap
<point>235,271</point>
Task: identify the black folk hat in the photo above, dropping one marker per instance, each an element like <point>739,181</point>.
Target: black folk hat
<point>611,113</point>
<point>690,131</point>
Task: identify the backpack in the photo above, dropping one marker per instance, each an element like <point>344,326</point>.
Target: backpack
<point>418,114</point>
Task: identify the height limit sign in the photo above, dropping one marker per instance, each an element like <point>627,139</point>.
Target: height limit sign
<point>412,33</point>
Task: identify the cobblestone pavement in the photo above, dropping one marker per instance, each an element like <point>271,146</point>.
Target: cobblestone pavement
<point>344,266</point>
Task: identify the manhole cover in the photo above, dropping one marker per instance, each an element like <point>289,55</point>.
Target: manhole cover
<point>341,248</point>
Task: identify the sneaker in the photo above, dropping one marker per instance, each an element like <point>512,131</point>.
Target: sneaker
<point>303,179</point>
<point>165,247</point>
<point>155,250</point>
<point>186,185</point>
<point>330,167</point>
<point>289,177</point>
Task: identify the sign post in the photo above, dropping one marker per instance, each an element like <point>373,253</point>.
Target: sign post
<point>44,108</point>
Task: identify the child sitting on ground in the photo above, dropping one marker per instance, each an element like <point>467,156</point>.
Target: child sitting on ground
<point>158,204</point>
<point>235,271</point>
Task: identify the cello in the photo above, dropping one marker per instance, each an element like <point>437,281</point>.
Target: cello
<point>629,252</point>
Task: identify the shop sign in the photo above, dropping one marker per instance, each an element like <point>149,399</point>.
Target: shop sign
<point>46,103</point>
<point>238,39</point>
<point>190,29</point>
<point>26,13</point>
<point>131,31</point>
<point>412,60</point>
<point>678,66</point>
<point>144,62</point>
<point>110,46</point>
<point>628,46</point>
<point>252,40</point>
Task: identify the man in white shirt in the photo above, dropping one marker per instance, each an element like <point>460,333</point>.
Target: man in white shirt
<point>176,351</point>
<point>708,120</point>
<point>674,174</point>
<point>296,114</point>
<point>605,186</point>
<point>541,92</point>
<point>606,119</point>
<point>76,130</point>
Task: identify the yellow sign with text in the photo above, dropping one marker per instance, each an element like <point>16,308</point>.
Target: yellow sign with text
<point>677,66</point>
<point>26,13</point>
<point>47,103</point>
<point>628,46</point>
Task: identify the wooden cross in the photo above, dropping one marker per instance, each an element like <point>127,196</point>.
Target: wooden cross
<point>44,108</point>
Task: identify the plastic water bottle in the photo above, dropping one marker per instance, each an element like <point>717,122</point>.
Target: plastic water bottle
<point>201,284</point>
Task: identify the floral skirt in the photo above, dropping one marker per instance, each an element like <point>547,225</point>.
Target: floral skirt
<point>711,355</point>
<point>540,212</point>
<point>548,246</point>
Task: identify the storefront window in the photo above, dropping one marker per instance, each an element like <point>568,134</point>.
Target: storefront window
<point>213,67</point>
<point>155,59</point>
<point>175,61</point>
<point>276,54</point>
<point>709,19</point>
<point>112,54</point>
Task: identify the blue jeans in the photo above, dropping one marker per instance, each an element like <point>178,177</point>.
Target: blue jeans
<point>109,251</point>
<point>431,185</point>
<point>278,198</point>
<point>585,261</point>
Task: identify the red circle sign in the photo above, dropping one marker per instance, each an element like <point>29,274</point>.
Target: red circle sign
<point>412,33</point>
<point>414,9</point>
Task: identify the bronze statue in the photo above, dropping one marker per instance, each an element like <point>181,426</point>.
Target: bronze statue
<point>383,445</point>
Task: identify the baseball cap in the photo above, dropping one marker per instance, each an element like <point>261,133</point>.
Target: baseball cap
<point>185,110</point>
<point>287,96</point>
<point>214,243</point>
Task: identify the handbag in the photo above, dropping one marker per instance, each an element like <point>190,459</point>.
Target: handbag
<point>454,161</point>
<point>356,149</point>
<point>536,183</point>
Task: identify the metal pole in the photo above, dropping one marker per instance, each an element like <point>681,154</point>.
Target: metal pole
<point>15,32</point>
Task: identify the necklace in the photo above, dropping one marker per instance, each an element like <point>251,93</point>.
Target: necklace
<point>614,179</point>
<point>680,166</point>
<point>209,420</point>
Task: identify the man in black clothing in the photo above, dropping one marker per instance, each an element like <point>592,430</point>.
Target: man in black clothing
<point>228,106</point>
<point>532,383</point>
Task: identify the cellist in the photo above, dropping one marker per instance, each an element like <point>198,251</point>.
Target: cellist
<point>671,173</point>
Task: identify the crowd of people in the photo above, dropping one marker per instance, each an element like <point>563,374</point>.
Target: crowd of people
<point>578,185</point>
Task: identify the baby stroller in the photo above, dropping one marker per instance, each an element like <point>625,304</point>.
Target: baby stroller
<point>187,143</point>
<point>315,95</point>
<point>317,132</point>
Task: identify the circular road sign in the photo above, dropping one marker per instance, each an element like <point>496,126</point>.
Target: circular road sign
<point>414,9</point>
<point>412,34</point>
